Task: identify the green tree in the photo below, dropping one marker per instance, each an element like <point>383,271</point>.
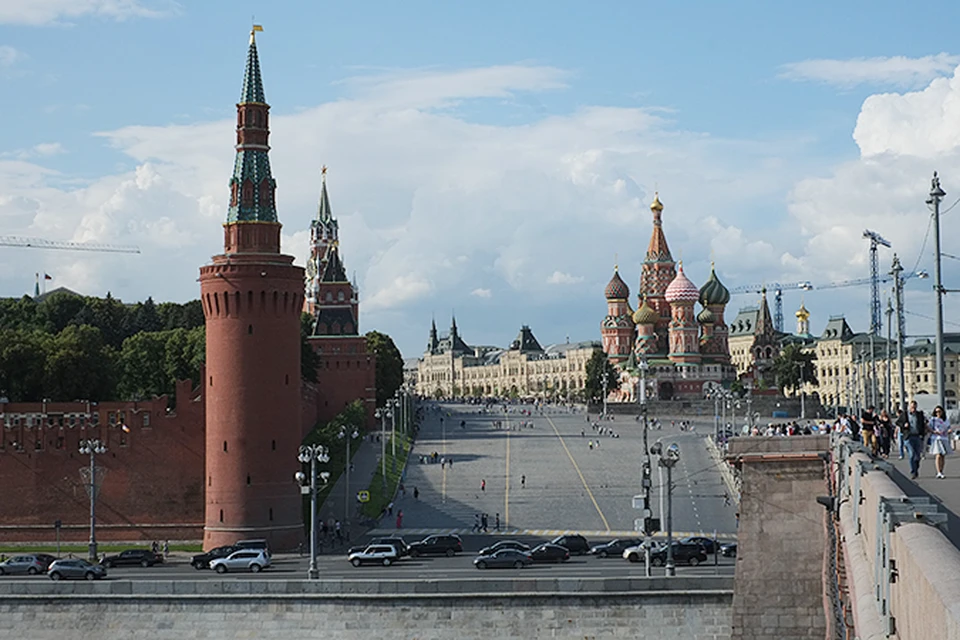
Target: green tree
<point>23,359</point>
<point>793,367</point>
<point>112,318</point>
<point>143,371</point>
<point>80,366</point>
<point>145,317</point>
<point>389,365</point>
<point>309,360</point>
<point>596,365</point>
<point>19,313</point>
<point>60,309</point>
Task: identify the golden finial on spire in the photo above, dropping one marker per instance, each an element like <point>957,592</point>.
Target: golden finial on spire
<point>656,205</point>
<point>616,260</point>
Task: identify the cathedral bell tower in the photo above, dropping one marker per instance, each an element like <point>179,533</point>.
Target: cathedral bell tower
<point>252,296</point>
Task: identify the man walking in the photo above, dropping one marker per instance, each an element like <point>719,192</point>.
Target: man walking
<point>913,425</point>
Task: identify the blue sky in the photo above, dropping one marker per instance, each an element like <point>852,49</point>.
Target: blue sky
<point>494,159</point>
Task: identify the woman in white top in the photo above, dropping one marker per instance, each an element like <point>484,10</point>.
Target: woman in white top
<point>939,438</point>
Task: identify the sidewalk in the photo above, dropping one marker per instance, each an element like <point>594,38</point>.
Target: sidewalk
<point>364,467</point>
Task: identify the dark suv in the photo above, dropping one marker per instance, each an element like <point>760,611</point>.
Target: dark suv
<point>683,553</point>
<point>575,543</point>
<point>403,549</point>
<point>448,545</point>
<point>142,557</point>
<point>202,561</point>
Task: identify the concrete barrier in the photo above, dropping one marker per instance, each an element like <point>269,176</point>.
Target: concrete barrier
<point>687,608</point>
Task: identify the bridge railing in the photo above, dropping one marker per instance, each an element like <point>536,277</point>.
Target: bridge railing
<point>903,573</point>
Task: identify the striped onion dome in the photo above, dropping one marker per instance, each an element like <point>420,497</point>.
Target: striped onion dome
<point>682,289</point>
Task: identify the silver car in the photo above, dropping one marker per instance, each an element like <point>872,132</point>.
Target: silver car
<point>31,565</point>
<point>244,560</point>
<point>75,568</point>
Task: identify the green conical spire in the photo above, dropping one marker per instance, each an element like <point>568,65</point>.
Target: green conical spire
<point>252,84</point>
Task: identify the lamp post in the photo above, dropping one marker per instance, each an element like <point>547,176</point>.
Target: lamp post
<point>394,405</point>
<point>382,414</point>
<point>92,447</point>
<point>348,436</point>
<point>605,380</point>
<point>645,480</point>
<point>312,453</point>
<point>669,459</point>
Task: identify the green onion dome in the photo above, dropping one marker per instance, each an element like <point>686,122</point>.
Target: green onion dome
<point>713,291</point>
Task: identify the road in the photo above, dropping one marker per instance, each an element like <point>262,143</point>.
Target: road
<point>545,478</point>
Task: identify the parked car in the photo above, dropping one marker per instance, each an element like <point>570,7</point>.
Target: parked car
<point>547,552</point>
<point>385,554</point>
<point>253,560</point>
<point>46,559</point>
<point>637,553</point>
<point>683,553</point>
<point>448,545</point>
<point>503,544</point>
<point>76,568</point>
<point>403,549</point>
<point>729,550</point>
<point>28,564</point>
<point>575,543</point>
<point>258,543</point>
<point>202,560</point>
<point>614,548</point>
<point>708,544</point>
<point>503,559</point>
<point>129,557</point>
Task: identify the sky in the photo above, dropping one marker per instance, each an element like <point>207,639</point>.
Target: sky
<point>491,160</point>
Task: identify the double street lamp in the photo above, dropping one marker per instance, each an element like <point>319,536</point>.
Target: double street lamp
<point>92,447</point>
<point>312,453</point>
<point>382,414</point>
<point>668,460</point>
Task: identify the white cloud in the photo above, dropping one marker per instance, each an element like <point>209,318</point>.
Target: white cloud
<point>9,56</point>
<point>428,201</point>
<point>898,71</point>
<point>559,277</point>
<point>40,12</point>
<point>48,149</point>
<point>482,293</point>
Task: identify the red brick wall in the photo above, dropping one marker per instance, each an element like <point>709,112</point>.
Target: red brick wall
<point>346,372</point>
<point>153,485</point>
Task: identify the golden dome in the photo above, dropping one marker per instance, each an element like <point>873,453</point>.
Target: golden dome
<point>656,205</point>
<point>646,314</point>
<point>802,312</point>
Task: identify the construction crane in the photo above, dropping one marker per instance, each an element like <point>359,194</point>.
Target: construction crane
<point>40,243</point>
<point>778,290</point>
<point>876,314</point>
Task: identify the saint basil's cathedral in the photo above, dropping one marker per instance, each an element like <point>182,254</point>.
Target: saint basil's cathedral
<point>686,351</point>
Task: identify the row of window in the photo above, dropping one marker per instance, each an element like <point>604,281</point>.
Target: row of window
<point>227,304</point>
<point>82,420</point>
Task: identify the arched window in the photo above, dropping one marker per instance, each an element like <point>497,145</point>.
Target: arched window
<point>329,297</point>
<point>339,296</point>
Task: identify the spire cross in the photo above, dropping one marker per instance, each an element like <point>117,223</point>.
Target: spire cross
<point>323,173</point>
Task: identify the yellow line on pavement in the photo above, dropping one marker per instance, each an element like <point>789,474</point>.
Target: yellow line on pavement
<point>506,485</point>
<point>577,468</point>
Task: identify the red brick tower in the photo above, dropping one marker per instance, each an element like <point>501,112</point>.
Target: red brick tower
<point>617,327</point>
<point>682,294</point>
<point>252,296</point>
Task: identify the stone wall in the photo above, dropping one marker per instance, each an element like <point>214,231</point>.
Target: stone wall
<point>289,609</point>
<point>781,537</point>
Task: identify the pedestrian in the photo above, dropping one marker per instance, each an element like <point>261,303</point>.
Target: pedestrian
<point>400,519</point>
<point>450,462</point>
<point>497,521</point>
<point>868,430</point>
<point>590,444</point>
<point>390,509</point>
<point>416,493</point>
<point>154,546</point>
<point>403,490</point>
<point>483,485</point>
<point>939,438</point>
<point>523,482</point>
<point>476,522</point>
<point>884,433</point>
<point>483,521</point>
<point>914,425</point>
<point>443,463</point>
<point>166,548</point>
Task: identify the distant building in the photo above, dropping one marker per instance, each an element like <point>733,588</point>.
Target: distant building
<point>450,367</point>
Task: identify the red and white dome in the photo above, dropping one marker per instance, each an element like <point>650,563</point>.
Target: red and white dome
<point>682,289</point>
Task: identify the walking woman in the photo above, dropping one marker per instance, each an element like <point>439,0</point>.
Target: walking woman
<point>939,438</point>
<point>884,433</point>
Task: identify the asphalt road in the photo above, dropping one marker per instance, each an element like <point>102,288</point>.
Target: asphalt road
<point>544,478</point>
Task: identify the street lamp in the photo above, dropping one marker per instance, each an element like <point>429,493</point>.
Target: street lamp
<point>382,414</point>
<point>394,405</point>
<point>605,379</point>
<point>348,436</point>
<point>312,453</point>
<point>669,459</point>
<point>92,447</point>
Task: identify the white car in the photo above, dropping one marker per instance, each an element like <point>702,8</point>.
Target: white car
<point>637,553</point>
<point>384,554</point>
<point>244,560</point>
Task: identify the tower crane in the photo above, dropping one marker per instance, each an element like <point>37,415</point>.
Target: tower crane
<point>778,290</point>
<point>876,314</point>
<point>40,243</point>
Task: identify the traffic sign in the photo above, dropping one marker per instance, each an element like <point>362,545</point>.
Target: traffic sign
<point>363,496</point>
<point>638,502</point>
